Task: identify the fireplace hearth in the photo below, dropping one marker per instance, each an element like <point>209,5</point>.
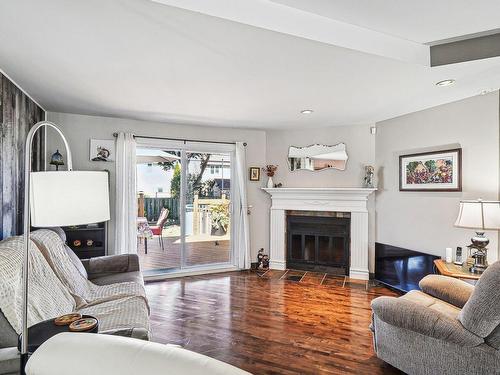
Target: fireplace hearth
<point>318,242</point>
<point>324,201</point>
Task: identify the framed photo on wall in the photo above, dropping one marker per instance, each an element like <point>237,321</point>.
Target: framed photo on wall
<point>431,171</point>
<point>254,174</point>
<point>102,150</point>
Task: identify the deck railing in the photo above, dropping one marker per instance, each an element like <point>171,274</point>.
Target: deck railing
<point>202,218</point>
<point>198,214</point>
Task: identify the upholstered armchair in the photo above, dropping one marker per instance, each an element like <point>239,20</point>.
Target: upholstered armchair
<point>450,327</point>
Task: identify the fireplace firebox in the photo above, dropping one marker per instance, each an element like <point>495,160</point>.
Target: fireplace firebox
<point>318,243</point>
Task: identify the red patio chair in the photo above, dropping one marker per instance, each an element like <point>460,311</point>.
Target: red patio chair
<point>158,228</point>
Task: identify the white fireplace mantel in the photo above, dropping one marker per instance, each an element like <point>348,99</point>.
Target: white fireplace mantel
<point>353,200</point>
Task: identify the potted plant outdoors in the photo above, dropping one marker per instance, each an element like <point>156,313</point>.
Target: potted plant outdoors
<point>220,219</point>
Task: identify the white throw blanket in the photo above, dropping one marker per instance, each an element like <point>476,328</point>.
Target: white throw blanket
<point>124,313</point>
<point>47,296</point>
<point>85,292</point>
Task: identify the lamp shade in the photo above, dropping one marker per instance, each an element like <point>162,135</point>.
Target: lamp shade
<point>68,198</point>
<point>479,214</point>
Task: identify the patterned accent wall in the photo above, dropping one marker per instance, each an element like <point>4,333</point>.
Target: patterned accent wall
<point>18,113</point>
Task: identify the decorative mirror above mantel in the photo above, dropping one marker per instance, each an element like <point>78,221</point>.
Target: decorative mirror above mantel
<point>317,157</point>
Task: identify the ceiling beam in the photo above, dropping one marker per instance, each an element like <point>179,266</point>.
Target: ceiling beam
<point>272,16</point>
<point>477,48</point>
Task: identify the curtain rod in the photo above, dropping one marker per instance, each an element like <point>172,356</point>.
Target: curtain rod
<point>180,139</point>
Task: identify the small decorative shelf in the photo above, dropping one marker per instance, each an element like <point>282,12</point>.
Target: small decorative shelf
<point>97,233</point>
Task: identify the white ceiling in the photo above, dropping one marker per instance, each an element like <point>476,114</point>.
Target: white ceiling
<point>421,21</point>
<point>144,60</point>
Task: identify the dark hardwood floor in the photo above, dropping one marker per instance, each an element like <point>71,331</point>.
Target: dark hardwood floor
<point>269,324</point>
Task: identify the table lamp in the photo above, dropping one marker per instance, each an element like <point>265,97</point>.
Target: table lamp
<point>56,159</point>
<point>479,215</point>
<point>57,198</point>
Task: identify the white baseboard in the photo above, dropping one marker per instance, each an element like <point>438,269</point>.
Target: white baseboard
<point>277,265</point>
<point>171,275</point>
<point>359,274</point>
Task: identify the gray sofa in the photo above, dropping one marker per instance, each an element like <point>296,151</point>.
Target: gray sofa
<point>101,271</point>
<point>113,269</point>
<point>450,327</point>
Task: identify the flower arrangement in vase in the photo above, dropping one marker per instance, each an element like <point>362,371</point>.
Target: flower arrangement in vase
<point>269,170</point>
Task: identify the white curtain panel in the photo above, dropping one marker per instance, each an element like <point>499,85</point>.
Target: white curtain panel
<point>242,228</point>
<point>126,196</point>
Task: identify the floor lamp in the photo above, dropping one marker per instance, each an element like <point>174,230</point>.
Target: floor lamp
<point>54,199</point>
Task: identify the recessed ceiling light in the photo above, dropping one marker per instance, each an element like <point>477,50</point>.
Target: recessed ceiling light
<point>446,82</point>
<point>306,111</point>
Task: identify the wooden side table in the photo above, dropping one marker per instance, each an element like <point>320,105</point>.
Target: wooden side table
<point>456,271</point>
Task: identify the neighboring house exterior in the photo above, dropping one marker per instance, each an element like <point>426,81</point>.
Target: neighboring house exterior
<point>154,181</point>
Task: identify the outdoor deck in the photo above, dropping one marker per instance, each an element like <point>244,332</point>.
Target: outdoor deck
<point>200,250</point>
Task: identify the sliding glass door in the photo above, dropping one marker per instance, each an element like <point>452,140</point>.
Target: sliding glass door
<point>159,214</point>
<point>184,206</point>
<point>207,208</point>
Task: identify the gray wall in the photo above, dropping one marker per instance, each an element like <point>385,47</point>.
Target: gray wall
<point>420,221</point>
<point>79,129</point>
<point>424,220</point>
<point>360,145</point>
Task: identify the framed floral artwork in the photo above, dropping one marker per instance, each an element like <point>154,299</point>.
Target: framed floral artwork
<point>431,171</point>
<point>254,174</point>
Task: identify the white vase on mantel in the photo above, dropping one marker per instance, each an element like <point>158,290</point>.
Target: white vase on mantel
<point>270,183</point>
